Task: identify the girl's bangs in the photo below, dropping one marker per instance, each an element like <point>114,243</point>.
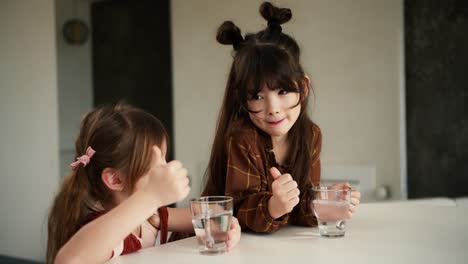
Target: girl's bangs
<point>272,69</point>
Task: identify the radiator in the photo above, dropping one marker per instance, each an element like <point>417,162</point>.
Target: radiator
<point>361,178</point>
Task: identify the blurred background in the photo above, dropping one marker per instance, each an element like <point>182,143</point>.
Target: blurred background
<point>389,78</point>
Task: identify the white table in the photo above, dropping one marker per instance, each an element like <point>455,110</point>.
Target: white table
<point>379,233</point>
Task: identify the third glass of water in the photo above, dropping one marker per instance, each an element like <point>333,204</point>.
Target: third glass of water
<point>211,218</point>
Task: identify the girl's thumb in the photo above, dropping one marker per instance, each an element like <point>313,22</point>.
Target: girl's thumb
<point>275,173</point>
<point>158,158</point>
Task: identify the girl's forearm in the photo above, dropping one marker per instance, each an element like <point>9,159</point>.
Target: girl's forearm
<point>180,220</point>
<point>95,241</point>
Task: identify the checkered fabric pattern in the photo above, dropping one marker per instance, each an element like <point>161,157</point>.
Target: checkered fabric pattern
<point>248,180</point>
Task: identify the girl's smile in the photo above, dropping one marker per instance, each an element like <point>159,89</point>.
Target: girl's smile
<point>274,111</point>
<point>275,123</point>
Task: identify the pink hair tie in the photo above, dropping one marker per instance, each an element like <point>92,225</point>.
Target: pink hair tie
<point>83,159</point>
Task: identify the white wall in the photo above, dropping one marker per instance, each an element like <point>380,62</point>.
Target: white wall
<point>74,78</point>
<point>29,125</point>
<point>352,51</point>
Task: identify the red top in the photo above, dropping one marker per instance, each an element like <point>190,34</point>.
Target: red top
<point>132,243</point>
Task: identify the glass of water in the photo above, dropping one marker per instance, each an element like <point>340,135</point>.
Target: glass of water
<point>331,205</point>
<point>211,219</point>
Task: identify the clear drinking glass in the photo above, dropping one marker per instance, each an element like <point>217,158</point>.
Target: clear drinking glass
<point>211,219</point>
<point>330,205</point>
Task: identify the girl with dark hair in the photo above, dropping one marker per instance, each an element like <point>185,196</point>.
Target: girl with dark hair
<point>266,151</point>
<point>113,201</point>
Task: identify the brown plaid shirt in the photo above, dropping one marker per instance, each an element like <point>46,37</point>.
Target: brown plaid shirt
<point>248,180</point>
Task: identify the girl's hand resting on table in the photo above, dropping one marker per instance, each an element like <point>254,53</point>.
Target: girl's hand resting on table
<point>355,197</point>
<point>234,234</point>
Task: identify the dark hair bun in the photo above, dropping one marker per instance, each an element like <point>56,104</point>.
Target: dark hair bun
<point>229,34</point>
<point>272,13</point>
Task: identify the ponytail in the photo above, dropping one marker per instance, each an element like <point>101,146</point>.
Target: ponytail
<point>275,17</point>
<point>68,212</point>
<point>229,34</point>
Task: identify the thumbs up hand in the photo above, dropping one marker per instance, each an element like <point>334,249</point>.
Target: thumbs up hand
<point>167,182</point>
<point>285,194</point>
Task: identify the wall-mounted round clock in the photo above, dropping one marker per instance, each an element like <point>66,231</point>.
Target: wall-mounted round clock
<point>75,32</point>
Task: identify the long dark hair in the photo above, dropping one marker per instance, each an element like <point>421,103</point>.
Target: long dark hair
<point>123,137</point>
<point>272,58</point>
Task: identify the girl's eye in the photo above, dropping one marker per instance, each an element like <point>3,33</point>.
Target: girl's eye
<point>257,97</point>
<point>281,92</point>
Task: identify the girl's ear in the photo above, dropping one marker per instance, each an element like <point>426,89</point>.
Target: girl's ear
<point>307,84</point>
<point>111,178</point>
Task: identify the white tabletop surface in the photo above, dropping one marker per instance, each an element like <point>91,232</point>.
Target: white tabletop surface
<point>378,233</point>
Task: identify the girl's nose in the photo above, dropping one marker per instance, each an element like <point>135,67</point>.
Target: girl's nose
<point>273,112</point>
<point>273,107</point>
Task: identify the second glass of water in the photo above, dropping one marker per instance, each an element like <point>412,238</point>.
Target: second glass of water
<point>211,218</point>
<point>331,206</point>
